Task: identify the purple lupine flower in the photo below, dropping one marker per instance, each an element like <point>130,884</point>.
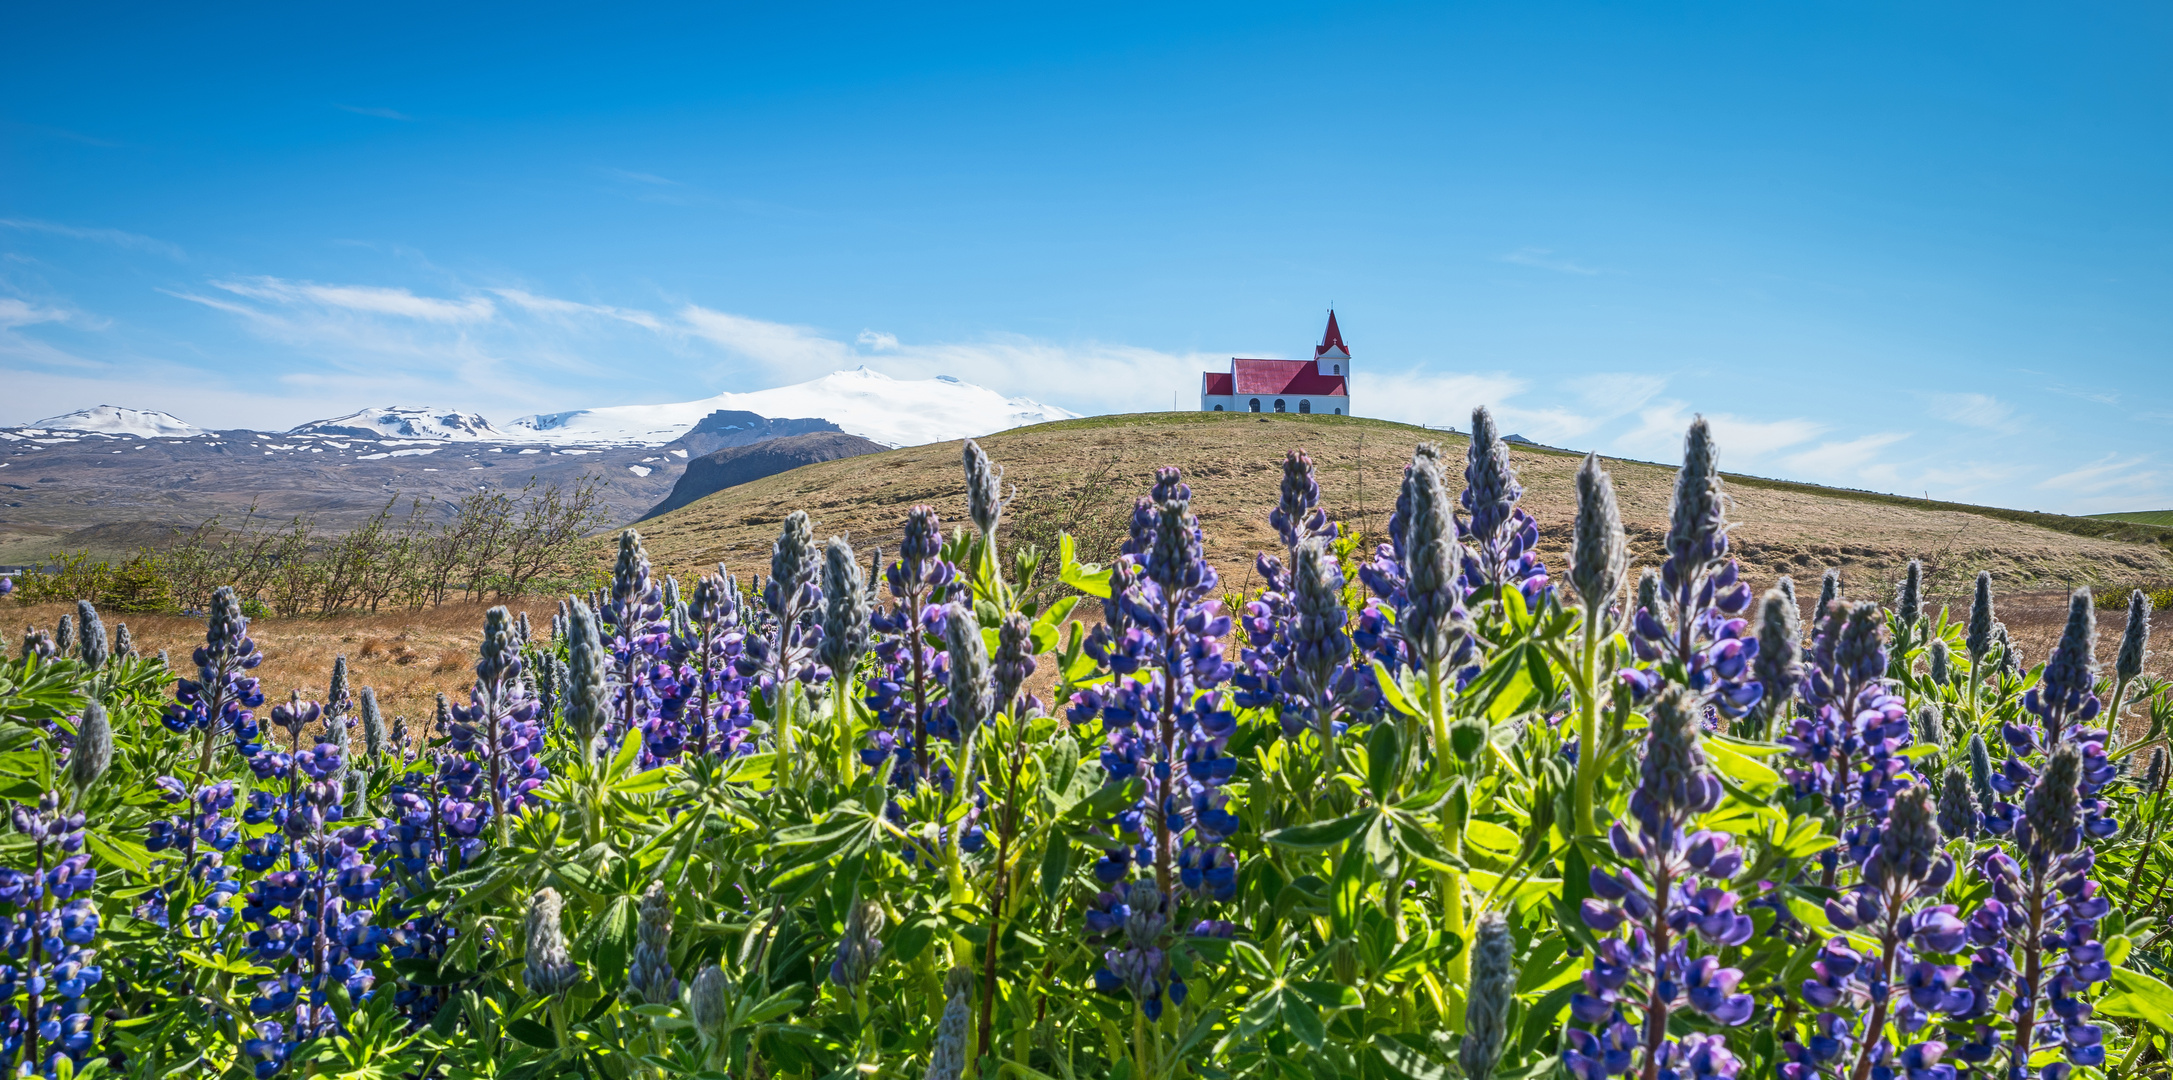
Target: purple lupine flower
<point>792,634</point>
<point>220,697</point>
<point>1862,995</point>
<point>901,689</point>
<point>1669,887</point>
<point>2064,695</point>
<point>499,730</point>
<point>47,969</point>
<point>1694,618</point>
<point>1164,721</point>
<point>1501,538</point>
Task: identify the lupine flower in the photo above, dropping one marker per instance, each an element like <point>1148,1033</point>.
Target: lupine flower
<point>1849,738</point>
<point>984,492</point>
<point>1909,596</point>
<point>1929,729</point>
<point>947,1058</point>
<point>1298,514</point>
<point>1502,538</point>
<point>1958,813</point>
<point>972,698</point>
<point>1669,885</point>
<point>859,947</point>
<point>46,959</point>
<point>64,634</point>
<point>901,689</point>
<point>1014,662</point>
<point>220,697</point>
<point>124,644</point>
<point>1432,622</point>
<point>844,613</point>
<point>1980,774</point>
<point>373,727</point>
<point>2063,695</point>
<point>499,731</point>
<point>1694,618</point>
<point>1863,993</point>
<point>91,645</point>
<point>1599,557</point>
<point>1779,663</point>
<point>1942,670</point>
<point>1300,613</point>
<point>1979,641</point>
<point>1829,590</point>
<point>550,970</point>
<point>93,749</point>
<point>2155,774</point>
<point>2134,643</point>
<point>1493,986</point>
<point>588,702</point>
<point>650,978</point>
<point>791,591</point>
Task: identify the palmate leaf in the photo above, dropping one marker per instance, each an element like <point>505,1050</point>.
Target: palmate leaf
<point>1322,835</point>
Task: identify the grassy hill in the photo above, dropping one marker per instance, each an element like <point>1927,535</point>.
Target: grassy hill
<point>1082,476</point>
<point>2160,518</point>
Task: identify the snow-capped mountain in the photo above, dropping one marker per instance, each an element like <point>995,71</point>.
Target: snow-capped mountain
<point>114,420</point>
<point>400,423</point>
<point>867,403</point>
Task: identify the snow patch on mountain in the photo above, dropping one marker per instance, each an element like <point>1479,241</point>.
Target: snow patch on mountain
<point>405,423</point>
<point>114,420</point>
<point>863,402</point>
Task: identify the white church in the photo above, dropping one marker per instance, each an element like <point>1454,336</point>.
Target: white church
<point>1319,385</point>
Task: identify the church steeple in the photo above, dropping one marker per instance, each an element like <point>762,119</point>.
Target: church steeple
<point>1331,342</point>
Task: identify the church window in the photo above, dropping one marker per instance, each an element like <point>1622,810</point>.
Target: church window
<point>1305,406</point>
<point>1218,408</point>
<point>1339,410</point>
<point>1337,369</point>
<point>1255,405</point>
<point>1279,405</point>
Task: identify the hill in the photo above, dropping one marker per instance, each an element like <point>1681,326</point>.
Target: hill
<point>1082,475</point>
<point>2161,518</point>
<point>735,465</point>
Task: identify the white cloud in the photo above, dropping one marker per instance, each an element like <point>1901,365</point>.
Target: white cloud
<point>878,341</point>
<point>545,305</point>
<point>2108,474</point>
<point>14,313</point>
<point>1743,442</point>
<point>1975,410</point>
<point>795,353</point>
<point>1843,459</point>
<point>115,237</point>
<point>370,299</point>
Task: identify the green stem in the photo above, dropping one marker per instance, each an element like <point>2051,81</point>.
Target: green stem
<point>1588,728</point>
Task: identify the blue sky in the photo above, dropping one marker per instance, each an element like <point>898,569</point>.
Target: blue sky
<point>1915,248</point>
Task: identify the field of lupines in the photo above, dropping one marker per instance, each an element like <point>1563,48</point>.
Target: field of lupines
<point>1422,807</point>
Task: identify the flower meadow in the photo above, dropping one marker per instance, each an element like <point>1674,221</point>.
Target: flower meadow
<point>1421,806</point>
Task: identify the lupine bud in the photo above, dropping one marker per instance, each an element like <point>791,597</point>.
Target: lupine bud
<point>1928,726</point>
<point>550,968</point>
<point>1435,614</point>
<point>984,490</point>
<point>844,610</point>
<point>1909,842</point>
<point>649,976</point>
<point>1014,659</point>
<point>1599,557</point>
<point>1319,642</point>
<point>1493,986</point>
<point>858,949</point>
<point>1958,816</point>
<point>792,555</point>
<point>1296,514</point>
<point>1648,591</point>
<point>1697,521</point>
<point>93,750</point>
<point>499,656</point>
<point>706,1005</point>
<point>587,702</point>
<point>2155,775</point>
<point>1787,585</point>
<point>2074,664</point>
<point>443,722</point>
<point>1942,671</point>
<point>1909,597</point>
<point>64,635</point>
<point>2135,640</point>
<point>1980,774</point>
<point>947,1061</point>
<point>1979,641</point>
<point>1779,663</point>
<point>520,626</point>
<point>1491,490</point>
<point>91,636</point>
<point>2053,806</point>
<point>972,698</point>
<point>339,695</point>
<point>1674,781</point>
<point>2010,654</point>
<point>124,646</point>
<point>373,727</point>
<point>1829,589</point>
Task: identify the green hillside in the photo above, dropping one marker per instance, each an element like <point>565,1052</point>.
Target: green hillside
<point>2161,518</point>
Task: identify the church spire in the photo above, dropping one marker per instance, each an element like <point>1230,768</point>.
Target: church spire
<point>1331,341</point>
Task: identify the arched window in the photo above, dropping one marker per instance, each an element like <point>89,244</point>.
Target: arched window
<point>1339,410</point>
<point>1305,405</point>
<point>1279,405</point>
<point>1336,369</point>
<point>1255,405</point>
<point>1218,408</point>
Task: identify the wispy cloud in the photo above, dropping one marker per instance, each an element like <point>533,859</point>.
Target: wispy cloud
<point>1842,460</point>
<point>115,237</point>
<point>2109,474</point>
<point>1546,259</point>
<point>1975,410</point>
<point>14,313</point>
<point>546,305</point>
<point>377,111</point>
<point>1744,442</point>
<point>372,299</point>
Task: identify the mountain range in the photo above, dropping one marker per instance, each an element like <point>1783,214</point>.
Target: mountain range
<point>109,475</point>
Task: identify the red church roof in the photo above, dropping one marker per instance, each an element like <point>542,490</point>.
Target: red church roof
<point>1332,339</point>
<point>1283,377</point>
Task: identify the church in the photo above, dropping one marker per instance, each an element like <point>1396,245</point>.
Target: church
<point>1319,385</point>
